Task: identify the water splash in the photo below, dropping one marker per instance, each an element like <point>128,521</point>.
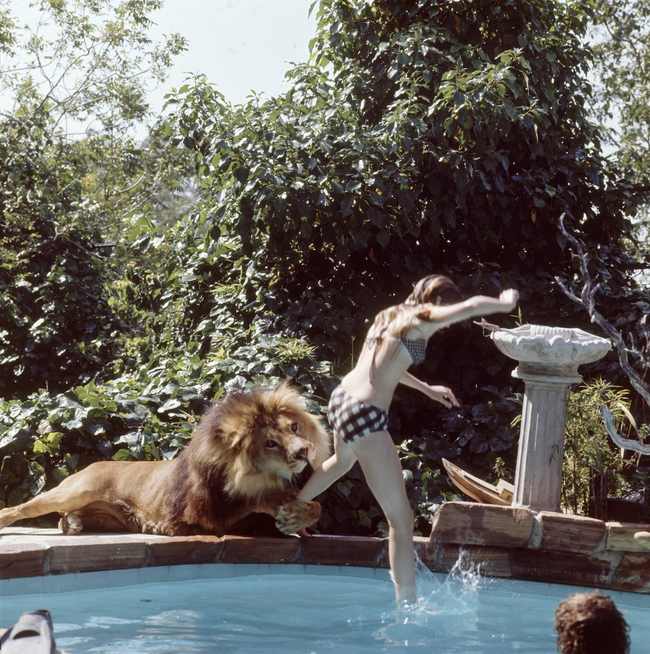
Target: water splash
<point>456,593</point>
<point>446,606</point>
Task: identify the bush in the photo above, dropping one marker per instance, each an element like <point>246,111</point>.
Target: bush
<point>587,445</point>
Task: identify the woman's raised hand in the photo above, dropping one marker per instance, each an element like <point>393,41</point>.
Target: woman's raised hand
<point>509,298</point>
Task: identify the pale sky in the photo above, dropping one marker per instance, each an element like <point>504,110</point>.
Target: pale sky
<point>240,45</point>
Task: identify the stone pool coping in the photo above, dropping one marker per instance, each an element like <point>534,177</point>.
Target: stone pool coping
<point>27,552</point>
<point>505,542</point>
<point>517,543</point>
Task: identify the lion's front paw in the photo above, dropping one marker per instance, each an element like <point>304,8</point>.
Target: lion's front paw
<point>297,515</point>
<point>71,524</point>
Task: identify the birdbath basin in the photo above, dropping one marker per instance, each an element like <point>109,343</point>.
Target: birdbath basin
<point>548,364</point>
<point>550,350</point>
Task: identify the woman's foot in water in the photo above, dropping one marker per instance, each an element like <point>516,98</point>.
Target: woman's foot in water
<point>405,596</point>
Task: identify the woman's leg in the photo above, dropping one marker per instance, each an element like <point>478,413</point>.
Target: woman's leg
<point>381,466</point>
<point>329,471</point>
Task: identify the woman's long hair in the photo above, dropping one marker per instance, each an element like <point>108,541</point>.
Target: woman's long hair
<point>397,320</point>
<point>434,289</point>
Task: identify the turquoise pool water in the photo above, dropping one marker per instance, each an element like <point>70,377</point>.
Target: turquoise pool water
<point>284,608</point>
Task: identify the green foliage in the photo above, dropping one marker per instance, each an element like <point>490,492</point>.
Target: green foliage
<point>621,37</point>
<point>422,137</point>
<point>620,34</point>
<point>587,444</point>
<point>453,129</point>
<point>189,337</point>
<point>58,299</point>
<point>61,197</point>
<point>63,316</point>
<point>55,322</point>
<point>89,66</point>
<point>438,137</point>
<point>448,137</point>
<point>48,437</point>
<point>149,414</point>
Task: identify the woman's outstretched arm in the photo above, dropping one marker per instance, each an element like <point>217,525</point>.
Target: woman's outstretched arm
<point>479,305</point>
<point>441,394</point>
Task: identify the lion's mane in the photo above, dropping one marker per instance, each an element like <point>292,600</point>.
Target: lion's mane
<point>225,471</point>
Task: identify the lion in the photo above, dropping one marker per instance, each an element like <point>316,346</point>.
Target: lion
<point>243,459</point>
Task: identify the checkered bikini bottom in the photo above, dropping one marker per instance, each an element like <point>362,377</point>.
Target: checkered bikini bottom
<point>352,419</point>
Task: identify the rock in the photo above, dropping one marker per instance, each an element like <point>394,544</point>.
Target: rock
<point>570,533</point>
<point>621,536</point>
<point>469,523</point>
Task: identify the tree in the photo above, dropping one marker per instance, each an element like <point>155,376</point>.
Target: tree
<point>54,320</point>
<point>421,137</point>
<point>430,137</point>
<point>438,130</point>
<point>63,195</point>
<point>621,36</point>
<point>85,64</point>
<point>621,43</point>
<point>66,318</point>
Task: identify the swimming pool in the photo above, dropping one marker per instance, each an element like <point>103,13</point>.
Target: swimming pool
<point>296,608</point>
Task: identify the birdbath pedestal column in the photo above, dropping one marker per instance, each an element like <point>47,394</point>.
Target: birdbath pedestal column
<point>548,364</point>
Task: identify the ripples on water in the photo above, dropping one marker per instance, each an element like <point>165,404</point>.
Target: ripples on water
<point>306,613</point>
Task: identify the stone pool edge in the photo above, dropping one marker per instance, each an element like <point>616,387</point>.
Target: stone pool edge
<point>505,542</point>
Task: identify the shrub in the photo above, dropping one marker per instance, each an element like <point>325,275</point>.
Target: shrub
<point>587,445</point>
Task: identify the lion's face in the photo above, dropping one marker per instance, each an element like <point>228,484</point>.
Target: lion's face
<point>260,439</point>
<point>283,447</point>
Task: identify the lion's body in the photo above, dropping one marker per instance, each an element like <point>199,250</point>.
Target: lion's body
<point>244,454</point>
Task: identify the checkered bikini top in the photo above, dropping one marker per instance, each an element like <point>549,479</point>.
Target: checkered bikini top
<point>417,349</point>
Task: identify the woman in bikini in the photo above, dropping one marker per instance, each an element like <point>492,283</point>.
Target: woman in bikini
<point>358,408</point>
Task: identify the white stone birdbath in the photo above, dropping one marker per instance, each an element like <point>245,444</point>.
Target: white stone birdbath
<point>548,364</point>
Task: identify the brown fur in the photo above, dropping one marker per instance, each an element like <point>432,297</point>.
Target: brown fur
<point>243,458</point>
